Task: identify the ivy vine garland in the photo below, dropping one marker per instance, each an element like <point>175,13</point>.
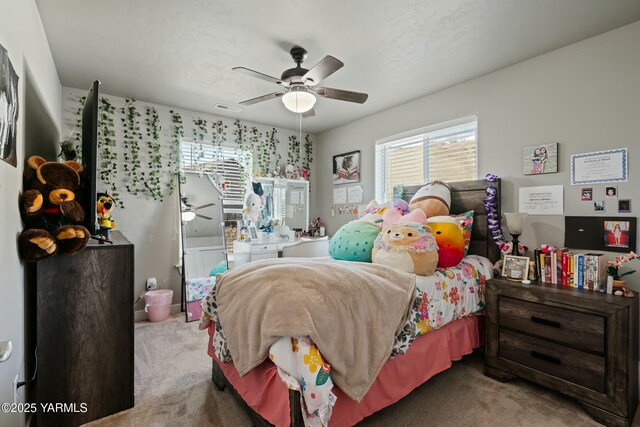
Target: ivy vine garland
<point>78,136</point>
<point>107,147</point>
<point>154,164</point>
<point>173,163</point>
<point>132,138</point>
<point>308,153</point>
<point>293,153</point>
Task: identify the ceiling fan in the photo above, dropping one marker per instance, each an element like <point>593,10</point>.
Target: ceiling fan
<point>189,211</point>
<point>302,85</point>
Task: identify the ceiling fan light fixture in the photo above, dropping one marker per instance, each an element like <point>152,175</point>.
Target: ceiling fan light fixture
<point>188,216</point>
<point>298,99</point>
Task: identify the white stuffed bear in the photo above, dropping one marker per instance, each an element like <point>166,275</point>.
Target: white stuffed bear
<point>253,207</point>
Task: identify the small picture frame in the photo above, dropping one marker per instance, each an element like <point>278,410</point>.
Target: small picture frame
<point>539,159</point>
<point>598,206</point>
<point>586,195</point>
<point>515,268</point>
<point>253,233</point>
<point>624,205</point>
<point>611,192</point>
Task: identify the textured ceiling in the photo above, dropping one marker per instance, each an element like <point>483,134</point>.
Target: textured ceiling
<point>180,53</point>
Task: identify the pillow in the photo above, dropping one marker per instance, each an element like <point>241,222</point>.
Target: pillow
<point>466,221</point>
<point>448,234</point>
<point>354,241</point>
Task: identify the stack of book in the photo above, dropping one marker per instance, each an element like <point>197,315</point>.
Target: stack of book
<point>563,267</point>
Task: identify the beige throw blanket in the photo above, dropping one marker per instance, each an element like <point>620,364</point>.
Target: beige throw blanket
<point>352,311</point>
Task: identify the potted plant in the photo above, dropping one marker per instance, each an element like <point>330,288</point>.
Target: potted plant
<point>613,268</point>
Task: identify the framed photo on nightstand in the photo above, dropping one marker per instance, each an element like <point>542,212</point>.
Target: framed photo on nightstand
<point>515,267</point>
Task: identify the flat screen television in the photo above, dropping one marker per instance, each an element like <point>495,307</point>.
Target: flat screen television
<point>90,156</point>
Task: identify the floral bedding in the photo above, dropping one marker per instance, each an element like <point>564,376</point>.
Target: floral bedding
<point>448,295</point>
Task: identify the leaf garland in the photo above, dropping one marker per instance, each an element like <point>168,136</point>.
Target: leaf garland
<point>173,162</point>
<point>308,153</point>
<point>132,138</point>
<point>78,126</point>
<point>152,182</point>
<point>254,142</point>
<point>107,148</point>
<point>293,154</point>
<point>272,148</point>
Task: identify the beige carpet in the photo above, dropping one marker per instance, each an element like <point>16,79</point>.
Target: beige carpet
<point>173,388</point>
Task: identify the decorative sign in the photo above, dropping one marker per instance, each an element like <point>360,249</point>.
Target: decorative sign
<point>547,200</point>
<point>600,166</point>
<point>354,194</point>
<point>339,196</point>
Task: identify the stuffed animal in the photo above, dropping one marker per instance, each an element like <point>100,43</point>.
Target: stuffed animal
<point>354,241</point>
<point>254,203</point>
<point>289,171</point>
<point>50,211</point>
<point>104,205</point>
<point>434,199</point>
<point>406,243</point>
<point>448,234</point>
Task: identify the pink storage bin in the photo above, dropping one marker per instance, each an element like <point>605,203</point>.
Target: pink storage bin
<point>157,304</point>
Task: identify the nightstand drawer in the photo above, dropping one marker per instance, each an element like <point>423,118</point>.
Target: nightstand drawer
<point>575,329</point>
<point>585,369</point>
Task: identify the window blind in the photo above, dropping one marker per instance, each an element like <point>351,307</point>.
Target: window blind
<point>445,153</point>
<point>232,163</point>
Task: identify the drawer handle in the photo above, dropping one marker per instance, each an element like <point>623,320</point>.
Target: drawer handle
<point>545,322</point>
<point>546,358</point>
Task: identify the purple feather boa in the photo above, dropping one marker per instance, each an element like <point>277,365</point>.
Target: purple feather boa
<point>494,224</point>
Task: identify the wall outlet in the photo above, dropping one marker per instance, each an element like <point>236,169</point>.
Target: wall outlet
<point>152,283</point>
<point>15,389</point>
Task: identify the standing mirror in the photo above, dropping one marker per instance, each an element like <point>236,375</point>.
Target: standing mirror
<point>203,238</point>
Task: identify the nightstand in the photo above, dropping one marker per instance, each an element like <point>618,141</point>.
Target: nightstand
<point>581,343</point>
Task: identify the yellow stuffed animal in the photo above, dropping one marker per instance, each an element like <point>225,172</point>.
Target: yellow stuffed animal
<point>406,243</point>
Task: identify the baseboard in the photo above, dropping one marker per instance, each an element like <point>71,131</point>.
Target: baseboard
<point>140,315</point>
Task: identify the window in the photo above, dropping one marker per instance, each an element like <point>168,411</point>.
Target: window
<point>445,152</point>
<point>232,163</point>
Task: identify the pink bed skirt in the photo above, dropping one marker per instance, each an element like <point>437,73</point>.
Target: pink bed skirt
<point>430,354</point>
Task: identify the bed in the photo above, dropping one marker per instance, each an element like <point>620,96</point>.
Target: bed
<point>269,401</point>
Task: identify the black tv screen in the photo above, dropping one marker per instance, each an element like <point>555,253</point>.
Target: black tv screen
<point>90,156</point>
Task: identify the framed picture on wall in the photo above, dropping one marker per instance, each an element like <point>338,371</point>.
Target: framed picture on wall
<point>539,159</point>
<point>618,234</point>
<point>8,109</point>
<point>346,167</point>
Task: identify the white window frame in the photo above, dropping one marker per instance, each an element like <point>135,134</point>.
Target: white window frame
<point>418,134</point>
<point>221,152</point>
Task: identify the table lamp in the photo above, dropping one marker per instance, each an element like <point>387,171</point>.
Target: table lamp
<point>515,225</point>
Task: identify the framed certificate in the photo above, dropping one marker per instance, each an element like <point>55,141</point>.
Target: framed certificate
<point>600,167</point>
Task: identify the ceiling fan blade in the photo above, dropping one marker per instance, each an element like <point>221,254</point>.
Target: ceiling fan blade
<point>342,95</point>
<point>323,69</point>
<point>260,76</point>
<point>204,216</point>
<point>205,206</point>
<point>262,98</point>
<point>310,113</point>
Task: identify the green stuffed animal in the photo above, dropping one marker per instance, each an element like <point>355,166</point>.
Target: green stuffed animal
<point>354,241</point>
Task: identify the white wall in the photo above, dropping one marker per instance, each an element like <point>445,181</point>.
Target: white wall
<point>153,226</point>
<point>585,96</point>
<point>22,34</point>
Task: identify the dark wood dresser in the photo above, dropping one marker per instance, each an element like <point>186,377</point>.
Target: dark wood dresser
<point>581,343</point>
<point>85,333</point>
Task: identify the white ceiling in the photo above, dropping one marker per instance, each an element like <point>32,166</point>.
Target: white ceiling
<point>180,53</point>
